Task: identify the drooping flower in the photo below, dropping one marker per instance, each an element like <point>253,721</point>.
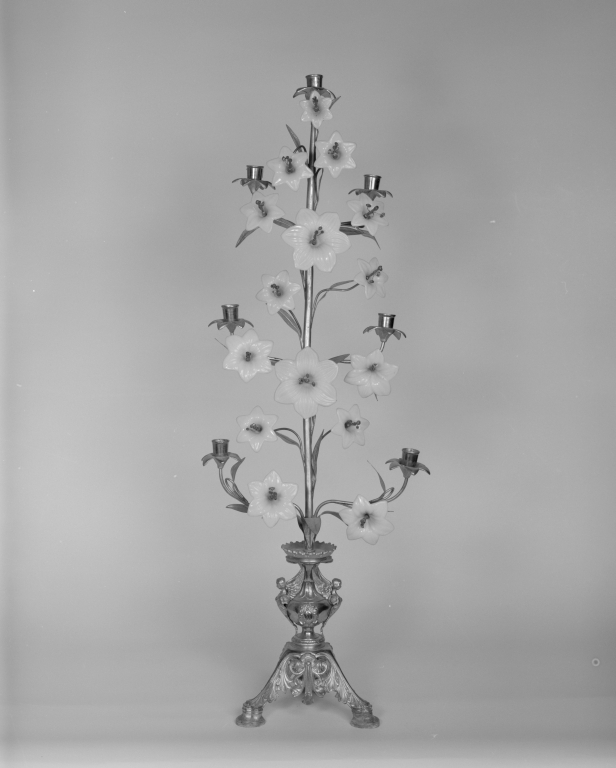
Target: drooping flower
<point>305,382</point>
<point>366,521</point>
<point>256,428</point>
<point>368,213</point>
<point>290,167</point>
<point>278,292</point>
<point>272,499</point>
<point>316,240</point>
<point>371,374</point>
<point>371,277</point>
<point>261,211</point>
<point>248,355</point>
<point>335,154</point>
<point>316,109</point>
<point>350,426</point>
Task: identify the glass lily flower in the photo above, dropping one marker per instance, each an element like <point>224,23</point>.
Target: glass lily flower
<point>261,211</point>
<point>248,355</point>
<point>371,374</point>
<point>371,277</point>
<point>316,108</point>
<point>278,292</point>
<point>335,154</point>
<point>368,213</point>
<point>290,167</point>
<point>256,428</point>
<point>350,426</point>
<point>366,521</point>
<point>316,240</point>
<point>306,382</point>
<point>272,499</point>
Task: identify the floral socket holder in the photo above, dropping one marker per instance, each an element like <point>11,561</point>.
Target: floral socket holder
<point>307,666</point>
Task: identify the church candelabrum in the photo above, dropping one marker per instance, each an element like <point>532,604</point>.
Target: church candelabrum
<point>307,666</point>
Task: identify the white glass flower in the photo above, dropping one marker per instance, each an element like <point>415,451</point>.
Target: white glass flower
<point>290,167</point>
<point>316,240</point>
<point>368,213</point>
<point>256,428</point>
<point>335,154</point>
<point>371,277</point>
<point>371,374</point>
<point>305,382</point>
<point>350,426</point>
<point>272,499</point>
<point>366,521</point>
<point>248,355</point>
<point>261,211</point>
<point>278,292</point>
<point>316,109</point>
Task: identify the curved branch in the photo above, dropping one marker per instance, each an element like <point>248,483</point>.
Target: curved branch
<point>385,496</point>
<point>332,501</point>
<point>231,488</point>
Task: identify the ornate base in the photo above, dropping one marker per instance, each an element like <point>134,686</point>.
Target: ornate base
<point>307,673</point>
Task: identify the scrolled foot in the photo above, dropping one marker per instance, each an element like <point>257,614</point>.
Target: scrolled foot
<point>363,718</point>
<point>251,717</point>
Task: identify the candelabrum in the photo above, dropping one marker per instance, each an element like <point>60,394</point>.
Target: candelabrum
<point>307,666</point>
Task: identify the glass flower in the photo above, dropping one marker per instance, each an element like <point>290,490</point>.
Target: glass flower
<point>371,374</point>
<point>248,355</point>
<point>316,109</point>
<point>366,521</point>
<point>290,167</point>
<point>278,292</point>
<point>256,428</point>
<point>350,426</point>
<point>335,154</point>
<point>316,240</point>
<point>368,213</point>
<point>305,382</point>
<point>272,499</point>
<point>371,277</point>
<point>261,211</point>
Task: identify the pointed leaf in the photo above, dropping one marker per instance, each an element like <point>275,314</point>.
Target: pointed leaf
<point>383,486</point>
<point>286,439</point>
<point>235,467</point>
<point>336,98</point>
<point>285,223</point>
<point>340,358</point>
<point>314,523</point>
<point>294,136</point>
<point>238,507</point>
<point>358,231</point>
<point>207,458</point>
<point>289,321</point>
<point>245,234</point>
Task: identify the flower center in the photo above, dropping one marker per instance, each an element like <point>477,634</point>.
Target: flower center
<point>288,161</point>
<point>261,206</point>
<point>255,428</point>
<point>335,151</point>
<point>276,290</point>
<point>307,379</point>
<point>315,104</point>
<point>364,520</point>
<point>370,211</point>
<point>248,357</point>
<point>370,277</point>
<point>373,367</point>
<point>348,424</point>
<point>271,493</point>
<point>318,231</point>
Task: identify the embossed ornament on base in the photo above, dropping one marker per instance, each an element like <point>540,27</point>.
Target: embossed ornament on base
<point>307,666</point>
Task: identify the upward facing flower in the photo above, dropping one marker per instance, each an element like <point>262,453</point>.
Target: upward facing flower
<point>371,277</point>
<point>366,521</point>
<point>316,240</point>
<point>316,109</point>
<point>368,213</point>
<point>248,355</point>
<point>290,167</point>
<point>350,426</point>
<point>256,428</point>
<point>272,499</point>
<point>261,211</point>
<point>306,382</point>
<point>371,374</point>
<point>335,154</point>
<point>278,292</point>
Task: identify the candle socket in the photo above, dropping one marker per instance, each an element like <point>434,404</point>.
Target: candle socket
<point>386,321</point>
<point>371,182</point>
<point>230,312</point>
<point>220,448</point>
<point>409,457</point>
<point>254,172</point>
<point>314,81</point>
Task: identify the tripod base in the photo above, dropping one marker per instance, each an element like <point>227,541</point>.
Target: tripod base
<point>307,672</point>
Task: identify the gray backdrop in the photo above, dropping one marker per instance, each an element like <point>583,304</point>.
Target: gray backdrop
<point>139,611</point>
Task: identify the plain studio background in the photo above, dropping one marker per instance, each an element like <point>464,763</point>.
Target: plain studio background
<point>139,612</point>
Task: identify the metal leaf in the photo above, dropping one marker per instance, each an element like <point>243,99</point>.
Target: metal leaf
<point>207,458</point>
<point>303,90</point>
<point>286,439</point>
<point>245,234</point>
<point>289,321</point>
<point>341,358</point>
<point>294,136</point>
<point>285,223</point>
<point>235,467</point>
<point>336,98</point>
<point>238,507</point>
<point>358,231</point>
<point>383,486</point>
<point>314,523</point>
